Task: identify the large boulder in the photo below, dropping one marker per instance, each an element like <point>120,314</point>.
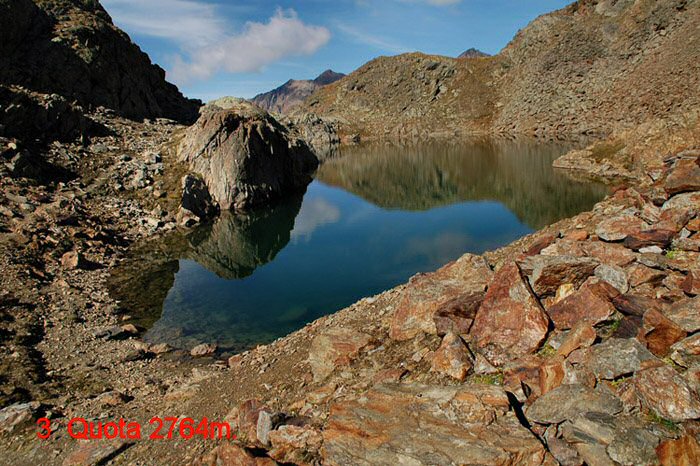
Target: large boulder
<point>246,157</point>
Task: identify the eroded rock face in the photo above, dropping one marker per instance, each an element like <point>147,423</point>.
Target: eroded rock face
<point>470,424</point>
<point>510,322</point>
<point>246,157</point>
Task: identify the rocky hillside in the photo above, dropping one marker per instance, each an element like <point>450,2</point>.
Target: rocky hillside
<point>72,48</point>
<point>570,71</point>
<point>292,94</point>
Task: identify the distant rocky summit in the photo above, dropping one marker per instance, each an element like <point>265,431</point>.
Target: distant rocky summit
<point>473,53</point>
<point>292,94</point>
<point>245,157</point>
<point>72,48</point>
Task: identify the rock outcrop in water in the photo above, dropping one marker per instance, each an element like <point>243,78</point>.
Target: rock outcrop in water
<point>246,157</point>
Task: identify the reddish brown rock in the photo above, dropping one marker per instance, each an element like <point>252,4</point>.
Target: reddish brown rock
<point>684,451</point>
<point>591,304</point>
<point>646,238</point>
<point>674,219</point>
<point>94,452</point>
<point>548,273</point>
<point>452,358</point>
<point>582,335</point>
<point>609,253</point>
<point>295,445</point>
<point>691,284</point>
<point>427,424</point>
<point>458,315</point>
<point>635,305</point>
<point>426,294</point>
<point>540,244</point>
<point>333,348</point>
<point>522,377</point>
<point>640,274</point>
<point>684,177</point>
<point>510,322</point>
<point>660,333</point>
<point>665,392</point>
<point>552,373</point>
<point>576,235</point>
<point>248,413</point>
<point>229,454</point>
<point>619,227</point>
<point>693,225</point>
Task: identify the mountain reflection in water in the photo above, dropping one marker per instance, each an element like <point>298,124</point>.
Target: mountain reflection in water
<point>372,218</point>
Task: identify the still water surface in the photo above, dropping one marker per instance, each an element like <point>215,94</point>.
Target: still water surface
<point>372,218</point>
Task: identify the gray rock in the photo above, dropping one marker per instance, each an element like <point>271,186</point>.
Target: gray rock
<point>246,157</point>
<point>634,446</point>
<point>614,275</point>
<point>616,357</point>
<point>196,198</point>
<point>567,401</point>
<point>17,414</point>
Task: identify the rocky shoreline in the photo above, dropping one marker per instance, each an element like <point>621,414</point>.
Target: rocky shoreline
<point>579,344</point>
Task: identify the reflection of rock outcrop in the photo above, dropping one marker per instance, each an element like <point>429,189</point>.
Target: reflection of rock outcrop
<point>235,245</point>
<point>516,173</point>
<point>232,247</point>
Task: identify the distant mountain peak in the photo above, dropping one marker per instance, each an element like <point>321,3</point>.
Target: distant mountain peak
<point>292,93</point>
<point>473,53</point>
<point>328,77</point>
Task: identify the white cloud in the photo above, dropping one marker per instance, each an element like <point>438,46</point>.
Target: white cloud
<point>181,21</point>
<point>370,39</point>
<point>205,44</point>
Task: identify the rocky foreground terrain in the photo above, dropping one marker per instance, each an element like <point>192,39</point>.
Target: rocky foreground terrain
<point>575,345</point>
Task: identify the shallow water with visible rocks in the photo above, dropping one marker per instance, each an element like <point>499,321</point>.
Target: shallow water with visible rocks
<point>373,217</point>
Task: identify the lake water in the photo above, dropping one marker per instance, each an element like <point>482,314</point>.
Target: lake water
<point>373,217</point>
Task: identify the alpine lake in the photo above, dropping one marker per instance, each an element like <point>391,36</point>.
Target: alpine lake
<point>373,217</point>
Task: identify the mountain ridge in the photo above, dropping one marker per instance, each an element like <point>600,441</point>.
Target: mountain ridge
<point>291,94</point>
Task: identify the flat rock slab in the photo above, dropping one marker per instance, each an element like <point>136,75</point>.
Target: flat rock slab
<point>568,401</point>
<point>686,314</point>
<point>426,294</point>
<point>426,424</point>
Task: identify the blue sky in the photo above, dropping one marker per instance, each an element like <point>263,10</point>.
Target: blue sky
<point>212,48</point>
